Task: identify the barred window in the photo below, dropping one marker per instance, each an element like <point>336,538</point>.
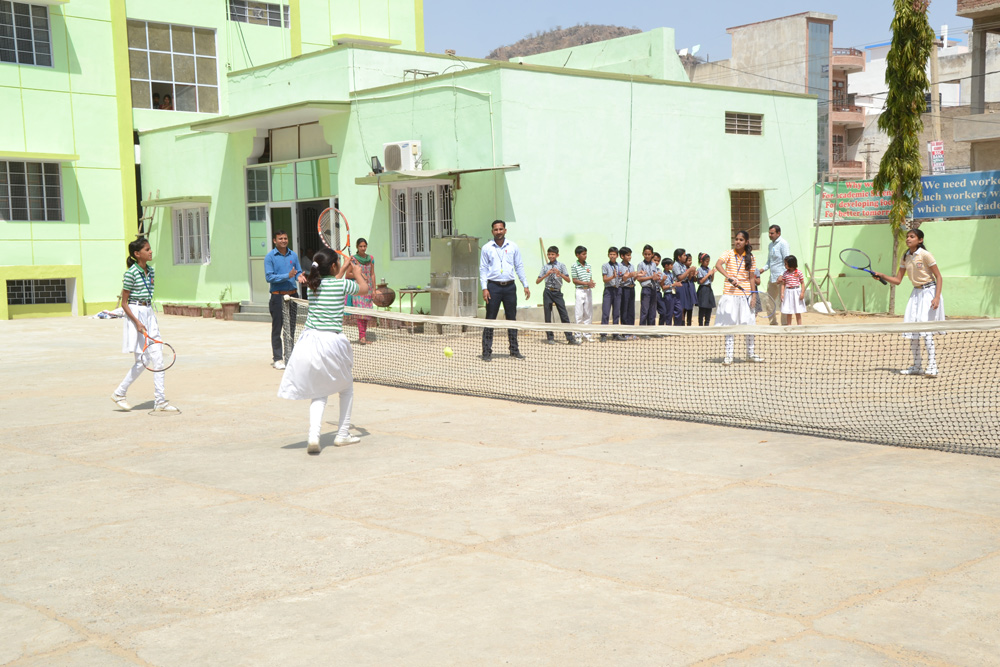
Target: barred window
<point>417,215</point>
<point>745,213</point>
<point>29,292</point>
<point>30,191</point>
<point>191,236</point>
<point>744,123</point>
<point>24,34</point>
<point>173,67</point>
<point>259,13</point>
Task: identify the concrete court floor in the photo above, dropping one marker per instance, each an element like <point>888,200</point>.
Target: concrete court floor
<point>460,531</point>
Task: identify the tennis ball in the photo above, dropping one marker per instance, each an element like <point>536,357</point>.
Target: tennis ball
<point>448,353</point>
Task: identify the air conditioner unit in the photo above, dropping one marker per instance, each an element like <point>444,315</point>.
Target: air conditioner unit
<point>402,156</point>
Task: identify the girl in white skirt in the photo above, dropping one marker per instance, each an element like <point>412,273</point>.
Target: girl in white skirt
<point>925,304</point>
<point>140,318</point>
<point>322,359</point>
<point>739,269</point>
<point>793,298</point>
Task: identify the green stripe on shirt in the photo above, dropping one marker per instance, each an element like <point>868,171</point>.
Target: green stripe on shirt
<point>326,307</point>
<point>138,284</point>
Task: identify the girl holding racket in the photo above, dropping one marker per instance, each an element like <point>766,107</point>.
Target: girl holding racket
<point>322,359</point>
<point>140,324</point>
<point>925,304</point>
<point>738,267</point>
<point>366,264</point>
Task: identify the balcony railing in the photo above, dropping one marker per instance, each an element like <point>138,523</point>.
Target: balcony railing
<point>848,52</point>
<point>848,108</point>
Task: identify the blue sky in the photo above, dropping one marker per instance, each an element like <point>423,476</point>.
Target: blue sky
<point>475,28</point>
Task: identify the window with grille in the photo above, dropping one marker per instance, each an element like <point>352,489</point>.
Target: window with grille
<point>29,292</point>
<point>417,215</point>
<point>744,123</point>
<point>839,148</point>
<point>259,13</point>
<point>30,191</point>
<point>173,67</point>
<point>191,236</point>
<point>24,34</point>
<point>745,213</point>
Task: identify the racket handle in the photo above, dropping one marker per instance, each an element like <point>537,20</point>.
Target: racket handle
<point>882,280</point>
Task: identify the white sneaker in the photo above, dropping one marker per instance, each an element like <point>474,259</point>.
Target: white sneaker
<point>313,445</point>
<point>165,407</point>
<point>342,440</point>
<point>279,364</point>
<point>931,372</point>
<point>728,361</point>
<point>121,402</point>
<point>912,370</point>
<point>754,358</point>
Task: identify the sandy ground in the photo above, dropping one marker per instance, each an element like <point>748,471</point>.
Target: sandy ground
<point>460,530</point>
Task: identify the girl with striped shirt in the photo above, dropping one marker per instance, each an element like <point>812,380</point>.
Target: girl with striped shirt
<point>739,269</point>
<point>793,298</point>
<point>322,359</point>
<point>140,319</point>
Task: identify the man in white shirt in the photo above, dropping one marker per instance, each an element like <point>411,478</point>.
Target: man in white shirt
<point>777,251</point>
<point>499,262</point>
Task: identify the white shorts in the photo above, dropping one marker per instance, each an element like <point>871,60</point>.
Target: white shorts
<point>734,309</point>
<point>792,302</point>
<point>321,365</point>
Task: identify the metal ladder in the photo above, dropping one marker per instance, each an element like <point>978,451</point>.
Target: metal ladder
<point>820,278</point>
<point>146,221</point>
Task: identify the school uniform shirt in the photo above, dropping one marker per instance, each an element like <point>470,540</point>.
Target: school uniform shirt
<point>139,283</point>
<point>609,269</point>
<point>918,267</point>
<point>735,266</point>
<point>793,279</point>
<point>554,282</point>
<point>326,307</point>
<point>276,268</point>
<point>500,263</point>
<point>581,272</point>
<point>626,268</point>
<point>650,269</point>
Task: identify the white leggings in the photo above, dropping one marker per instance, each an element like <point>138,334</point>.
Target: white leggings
<point>319,404</point>
<point>137,369</point>
<point>915,348</point>
<point>730,345</point>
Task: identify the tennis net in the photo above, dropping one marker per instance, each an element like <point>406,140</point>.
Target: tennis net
<point>836,381</point>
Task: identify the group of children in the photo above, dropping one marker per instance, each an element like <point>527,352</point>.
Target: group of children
<point>670,288</point>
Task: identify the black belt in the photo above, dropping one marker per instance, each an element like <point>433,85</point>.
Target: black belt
<point>502,283</point>
<point>554,289</point>
<point>926,285</point>
<point>138,303</point>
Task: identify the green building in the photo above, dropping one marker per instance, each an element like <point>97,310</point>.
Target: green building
<point>278,110</point>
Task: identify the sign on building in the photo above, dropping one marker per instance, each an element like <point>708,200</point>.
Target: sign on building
<point>936,151</point>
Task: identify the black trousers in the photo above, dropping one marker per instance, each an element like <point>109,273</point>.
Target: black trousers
<point>611,305</point>
<point>666,308</point>
<point>704,316</point>
<point>277,320</point>
<point>648,305</point>
<point>505,295</point>
<point>555,298</point>
<point>628,305</point>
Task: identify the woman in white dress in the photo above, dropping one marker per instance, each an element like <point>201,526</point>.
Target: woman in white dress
<point>925,304</point>
<point>322,360</point>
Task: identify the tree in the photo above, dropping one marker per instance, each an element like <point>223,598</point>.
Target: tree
<point>906,78</point>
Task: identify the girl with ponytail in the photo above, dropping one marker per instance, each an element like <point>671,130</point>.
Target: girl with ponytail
<point>739,269</point>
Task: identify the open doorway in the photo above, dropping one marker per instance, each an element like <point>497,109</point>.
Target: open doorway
<point>306,231</point>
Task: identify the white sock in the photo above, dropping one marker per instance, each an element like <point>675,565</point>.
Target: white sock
<point>346,405</point>
<point>929,344</point>
<point>316,416</point>
<point>915,348</point>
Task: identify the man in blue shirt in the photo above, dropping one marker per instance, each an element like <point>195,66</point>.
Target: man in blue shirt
<point>499,261</point>
<point>777,251</point>
<point>281,269</point>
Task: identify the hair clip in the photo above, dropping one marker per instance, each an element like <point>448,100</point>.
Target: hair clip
<point>315,265</point>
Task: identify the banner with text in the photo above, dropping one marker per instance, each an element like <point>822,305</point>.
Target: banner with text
<point>945,196</point>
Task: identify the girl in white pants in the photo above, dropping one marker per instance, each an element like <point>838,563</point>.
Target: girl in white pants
<point>925,304</point>
<point>322,360</point>
<point>140,318</point>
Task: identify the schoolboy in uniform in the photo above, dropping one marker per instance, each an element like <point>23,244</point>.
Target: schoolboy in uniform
<point>554,273</point>
<point>583,278</point>
<point>670,300</point>
<point>627,289</point>
<point>611,300</point>
<point>648,292</point>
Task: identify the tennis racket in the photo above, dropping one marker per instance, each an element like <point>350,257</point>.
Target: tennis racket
<point>545,256</point>
<point>760,303</point>
<point>856,259</point>
<point>334,231</point>
<point>157,356</point>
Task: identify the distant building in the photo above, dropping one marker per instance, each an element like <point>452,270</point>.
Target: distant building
<point>795,54</point>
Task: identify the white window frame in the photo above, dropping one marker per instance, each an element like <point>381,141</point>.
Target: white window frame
<point>254,12</point>
<point>419,212</point>
<point>42,189</point>
<point>150,82</point>
<point>190,242</point>
<point>38,36</point>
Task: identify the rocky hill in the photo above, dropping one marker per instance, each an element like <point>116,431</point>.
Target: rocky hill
<point>560,38</point>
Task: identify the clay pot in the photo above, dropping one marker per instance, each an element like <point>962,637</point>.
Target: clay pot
<point>383,296</point>
<point>207,312</point>
<point>218,313</point>
<point>230,308</point>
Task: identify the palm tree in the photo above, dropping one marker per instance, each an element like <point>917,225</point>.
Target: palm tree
<point>906,78</point>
